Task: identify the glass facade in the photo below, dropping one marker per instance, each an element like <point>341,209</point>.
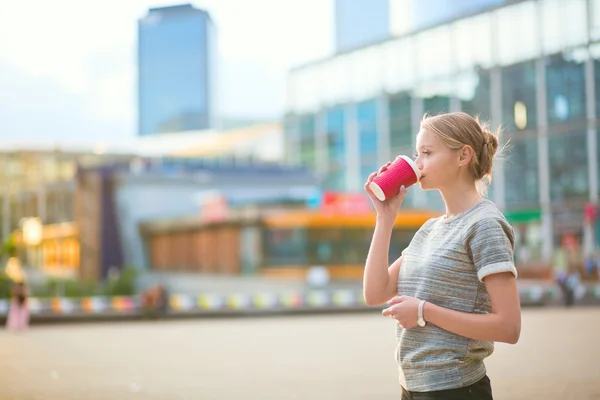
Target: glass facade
<point>597,85</point>
<point>286,247</point>
<point>400,124</point>
<point>306,130</point>
<point>565,89</point>
<point>336,149</point>
<point>426,13</point>
<point>568,166</point>
<point>597,159</point>
<point>176,70</point>
<point>521,172</point>
<point>349,34</point>
<point>516,65</point>
<point>436,104</point>
<point>326,246</point>
<point>519,107</point>
<point>366,115</point>
<point>475,93</point>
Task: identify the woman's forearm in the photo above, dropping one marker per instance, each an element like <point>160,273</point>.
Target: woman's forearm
<point>488,327</point>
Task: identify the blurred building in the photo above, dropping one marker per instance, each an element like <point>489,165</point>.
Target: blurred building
<point>518,64</point>
<point>278,241</point>
<point>412,15</point>
<point>360,22</point>
<point>177,67</point>
<point>90,204</point>
<point>112,202</point>
<point>38,184</point>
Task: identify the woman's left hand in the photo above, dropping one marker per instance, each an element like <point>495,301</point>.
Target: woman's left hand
<point>404,309</point>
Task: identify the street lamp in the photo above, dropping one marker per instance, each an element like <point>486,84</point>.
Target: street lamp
<point>14,270</point>
<point>32,235</point>
<point>32,231</point>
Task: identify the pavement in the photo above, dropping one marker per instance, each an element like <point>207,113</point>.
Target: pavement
<point>312,357</point>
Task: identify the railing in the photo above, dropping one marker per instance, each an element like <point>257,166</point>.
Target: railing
<point>268,302</point>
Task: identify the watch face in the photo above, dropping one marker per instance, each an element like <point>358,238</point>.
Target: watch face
<point>421,322</point>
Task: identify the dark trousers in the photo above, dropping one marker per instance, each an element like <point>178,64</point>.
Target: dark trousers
<point>481,390</point>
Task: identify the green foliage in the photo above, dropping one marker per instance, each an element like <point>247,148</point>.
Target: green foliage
<point>5,285</point>
<point>122,285</point>
<point>9,247</point>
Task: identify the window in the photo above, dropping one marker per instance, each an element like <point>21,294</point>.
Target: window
<point>399,64</point>
<point>400,240</point>
<point>565,82</point>
<point>436,104</point>
<point>356,245</point>
<point>473,38</point>
<point>516,33</point>
<point>521,172</point>
<point>474,92</point>
<point>291,145</point>
<point>556,35</point>
<point>598,154</point>
<point>400,119</point>
<point>595,20</point>
<point>434,63</point>
<point>568,166</point>
<point>336,149</point>
<point>597,83</point>
<point>306,126</point>
<point>366,114</point>
<point>285,247</point>
<point>519,109</point>
<point>325,246</point>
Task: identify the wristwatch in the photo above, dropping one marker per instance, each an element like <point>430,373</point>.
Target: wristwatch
<point>420,320</point>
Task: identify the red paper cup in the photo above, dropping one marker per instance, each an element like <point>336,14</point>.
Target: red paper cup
<point>403,171</point>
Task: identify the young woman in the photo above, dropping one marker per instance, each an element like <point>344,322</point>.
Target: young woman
<point>18,314</point>
<point>453,291</point>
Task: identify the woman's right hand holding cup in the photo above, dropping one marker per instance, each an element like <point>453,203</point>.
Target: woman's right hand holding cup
<point>387,209</point>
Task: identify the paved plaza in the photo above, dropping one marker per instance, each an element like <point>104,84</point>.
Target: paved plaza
<point>335,356</point>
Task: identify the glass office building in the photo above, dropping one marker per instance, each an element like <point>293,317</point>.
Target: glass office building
<point>427,13</point>
<point>518,64</point>
<point>176,70</point>
<point>360,22</point>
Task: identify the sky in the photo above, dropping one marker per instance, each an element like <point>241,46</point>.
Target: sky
<point>68,67</point>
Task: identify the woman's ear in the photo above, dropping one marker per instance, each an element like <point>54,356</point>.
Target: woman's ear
<point>466,154</point>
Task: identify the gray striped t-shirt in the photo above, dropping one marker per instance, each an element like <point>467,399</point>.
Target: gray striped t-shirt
<point>445,264</point>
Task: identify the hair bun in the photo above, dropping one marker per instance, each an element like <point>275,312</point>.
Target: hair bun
<point>488,151</point>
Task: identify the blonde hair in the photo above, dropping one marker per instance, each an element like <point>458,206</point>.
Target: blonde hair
<point>459,129</point>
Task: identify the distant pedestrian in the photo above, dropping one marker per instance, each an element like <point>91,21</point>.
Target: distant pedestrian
<point>18,315</point>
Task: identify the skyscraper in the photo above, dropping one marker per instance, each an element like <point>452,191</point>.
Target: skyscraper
<point>176,70</point>
<point>360,22</point>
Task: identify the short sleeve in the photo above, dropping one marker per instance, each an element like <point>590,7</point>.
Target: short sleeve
<point>491,247</point>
